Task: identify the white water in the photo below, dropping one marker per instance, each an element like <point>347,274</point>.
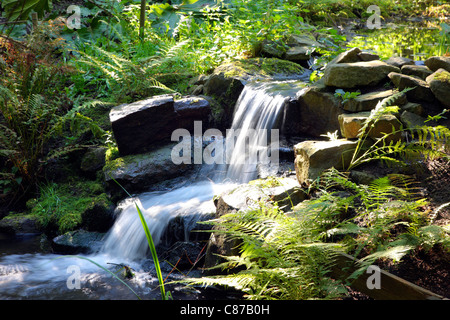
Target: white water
<point>37,276</point>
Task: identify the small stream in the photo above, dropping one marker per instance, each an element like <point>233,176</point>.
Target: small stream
<point>27,273</point>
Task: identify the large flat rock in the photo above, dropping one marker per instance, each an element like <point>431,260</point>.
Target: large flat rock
<point>439,83</point>
<point>143,125</point>
<point>314,157</point>
<point>355,74</point>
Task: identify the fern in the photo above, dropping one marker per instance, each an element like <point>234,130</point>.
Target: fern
<point>278,259</point>
<point>126,77</point>
<point>428,142</point>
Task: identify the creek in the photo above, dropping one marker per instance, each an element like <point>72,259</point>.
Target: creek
<point>26,273</point>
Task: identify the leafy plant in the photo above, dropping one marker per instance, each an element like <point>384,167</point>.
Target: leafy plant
<point>426,141</point>
<point>279,257</point>
<point>345,95</point>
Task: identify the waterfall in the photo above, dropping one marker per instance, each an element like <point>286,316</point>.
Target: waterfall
<point>253,131</point>
<point>249,142</point>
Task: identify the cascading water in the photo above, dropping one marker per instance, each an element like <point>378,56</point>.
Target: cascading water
<point>249,144</point>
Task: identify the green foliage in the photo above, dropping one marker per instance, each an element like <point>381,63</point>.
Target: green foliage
<point>411,41</point>
<point>60,206</point>
<point>429,142</point>
<point>345,95</point>
<point>21,9</point>
<point>279,258</point>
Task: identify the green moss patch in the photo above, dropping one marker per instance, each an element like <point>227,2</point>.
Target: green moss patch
<point>263,68</point>
<point>60,207</point>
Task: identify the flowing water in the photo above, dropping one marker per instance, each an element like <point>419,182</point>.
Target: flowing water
<point>252,143</point>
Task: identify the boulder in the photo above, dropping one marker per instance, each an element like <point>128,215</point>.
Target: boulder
<point>139,125</point>
<point>272,49</point>
<point>142,125</point>
<point>399,62</point>
<point>421,72</point>
<point>138,172</point>
<point>411,120</point>
<point>99,216</point>
<point>368,101</point>
<point>351,75</point>
<point>412,107</point>
<point>367,56</point>
<point>440,86</point>
<point>348,56</point>
<point>421,91</point>
<point>78,241</point>
<point>435,63</point>
<point>285,191</point>
<point>298,53</point>
<point>190,109</point>
<point>318,112</point>
<point>93,160</point>
<point>314,157</point>
<point>303,40</point>
<point>351,125</point>
<point>15,224</point>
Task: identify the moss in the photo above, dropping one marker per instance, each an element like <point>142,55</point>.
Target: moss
<point>259,68</point>
<point>269,182</point>
<point>442,76</point>
<point>60,206</point>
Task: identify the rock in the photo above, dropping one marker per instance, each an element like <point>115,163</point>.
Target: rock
<point>435,63</point>
<point>351,125</point>
<point>303,40</point>
<point>362,177</point>
<point>141,126</point>
<point>421,72</point>
<point>186,228</point>
<point>367,56</point>
<point>99,217</point>
<point>399,62</point>
<point>15,224</point>
<point>191,109</point>
<point>440,86</point>
<point>368,101</point>
<point>182,254</point>
<point>93,160</point>
<point>411,120</point>
<point>318,112</point>
<point>298,54</point>
<point>421,91</point>
<point>348,56</point>
<point>412,107</point>
<point>272,49</point>
<point>138,172</point>
<point>285,191</point>
<point>351,75</point>
<point>78,241</point>
<point>314,157</point>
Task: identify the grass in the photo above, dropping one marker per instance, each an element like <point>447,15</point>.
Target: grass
<point>60,206</point>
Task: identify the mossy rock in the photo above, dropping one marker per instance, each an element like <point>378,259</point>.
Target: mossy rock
<point>259,68</point>
<point>20,223</point>
<point>68,206</point>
